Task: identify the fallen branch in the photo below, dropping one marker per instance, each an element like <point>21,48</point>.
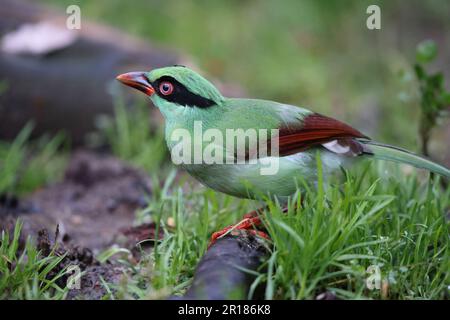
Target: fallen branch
<point>221,273</point>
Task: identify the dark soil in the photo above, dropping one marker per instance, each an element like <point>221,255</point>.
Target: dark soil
<point>96,200</point>
<point>90,210</point>
<point>91,286</point>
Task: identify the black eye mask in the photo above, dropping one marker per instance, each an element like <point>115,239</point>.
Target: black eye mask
<point>181,95</point>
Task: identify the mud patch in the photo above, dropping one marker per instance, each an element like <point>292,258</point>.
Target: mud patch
<point>96,200</point>
<point>93,273</point>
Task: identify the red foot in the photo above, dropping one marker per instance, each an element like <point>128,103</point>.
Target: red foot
<point>250,221</point>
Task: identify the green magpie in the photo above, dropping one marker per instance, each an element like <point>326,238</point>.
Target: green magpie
<point>185,98</point>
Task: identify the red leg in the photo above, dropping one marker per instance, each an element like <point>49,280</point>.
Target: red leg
<point>250,221</point>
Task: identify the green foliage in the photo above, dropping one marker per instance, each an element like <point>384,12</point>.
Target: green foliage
<point>131,136</point>
<point>11,159</point>
<point>329,242</point>
<point>435,100</point>
<point>426,51</point>
<point>27,274</point>
<point>25,165</point>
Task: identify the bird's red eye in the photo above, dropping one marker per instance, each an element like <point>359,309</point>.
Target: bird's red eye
<point>166,88</point>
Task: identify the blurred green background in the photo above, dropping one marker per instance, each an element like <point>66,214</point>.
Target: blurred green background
<point>317,54</point>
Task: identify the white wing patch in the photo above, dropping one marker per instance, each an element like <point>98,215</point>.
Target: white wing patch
<point>335,147</point>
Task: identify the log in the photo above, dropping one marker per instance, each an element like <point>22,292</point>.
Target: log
<point>220,275</point>
<point>62,79</point>
<point>66,87</point>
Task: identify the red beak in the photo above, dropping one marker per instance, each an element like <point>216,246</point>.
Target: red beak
<point>137,80</point>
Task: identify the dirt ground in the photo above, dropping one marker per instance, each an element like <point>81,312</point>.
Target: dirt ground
<point>90,210</point>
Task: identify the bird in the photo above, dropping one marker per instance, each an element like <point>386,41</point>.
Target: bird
<point>301,136</point>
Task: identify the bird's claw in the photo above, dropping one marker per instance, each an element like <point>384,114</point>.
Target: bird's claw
<point>247,224</point>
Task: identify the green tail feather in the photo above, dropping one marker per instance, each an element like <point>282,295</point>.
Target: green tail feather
<point>391,153</point>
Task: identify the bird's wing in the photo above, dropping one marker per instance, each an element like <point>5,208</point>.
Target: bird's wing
<point>315,129</point>
<point>298,128</point>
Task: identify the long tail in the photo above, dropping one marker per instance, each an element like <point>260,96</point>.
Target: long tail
<point>391,153</point>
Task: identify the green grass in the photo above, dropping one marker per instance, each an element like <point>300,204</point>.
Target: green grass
<point>187,220</point>
<point>396,223</point>
<point>27,165</point>
<point>25,273</point>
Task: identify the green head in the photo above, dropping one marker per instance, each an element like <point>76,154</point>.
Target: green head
<point>174,89</point>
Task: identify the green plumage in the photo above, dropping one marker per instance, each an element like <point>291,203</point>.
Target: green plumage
<point>303,134</point>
